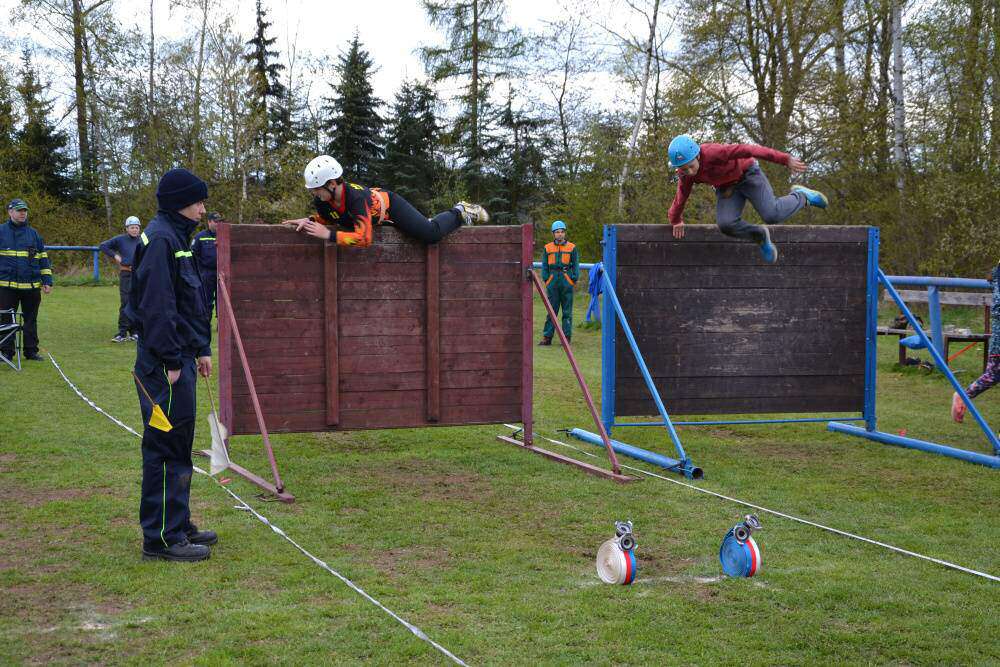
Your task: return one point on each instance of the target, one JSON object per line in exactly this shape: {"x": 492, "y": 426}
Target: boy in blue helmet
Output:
{"x": 733, "y": 171}
{"x": 560, "y": 271}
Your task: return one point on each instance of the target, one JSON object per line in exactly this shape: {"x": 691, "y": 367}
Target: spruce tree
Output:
{"x": 40, "y": 147}
{"x": 7, "y": 125}
{"x": 352, "y": 120}
{"x": 411, "y": 166}
{"x": 479, "y": 50}
{"x": 270, "y": 97}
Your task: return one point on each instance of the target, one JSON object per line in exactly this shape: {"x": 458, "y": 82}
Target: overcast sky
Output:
{"x": 392, "y": 31}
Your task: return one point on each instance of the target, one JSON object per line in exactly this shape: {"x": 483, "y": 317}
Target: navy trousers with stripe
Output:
{"x": 164, "y": 511}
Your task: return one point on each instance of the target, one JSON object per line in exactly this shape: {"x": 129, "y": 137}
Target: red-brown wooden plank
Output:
{"x": 385, "y": 290}
{"x": 433, "y": 333}
{"x": 472, "y": 362}
{"x": 353, "y": 308}
{"x": 400, "y": 345}
{"x": 331, "y": 346}
{"x": 477, "y": 291}
{"x": 527, "y": 349}
{"x": 369, "y": 326}
{"x": 493, "y": 377}
{"x": 226, "y": 370}
{"x": 381, "y": 364}
{"x": 478, "y": 343}
{"x": 464, "y": 273}
{"x": 383, "y": 382}
{"x": 481, "y": 324}
{"x": 408, "y": 272}
{"x": 503, "y": 308}
{"x": 488, "y": 234}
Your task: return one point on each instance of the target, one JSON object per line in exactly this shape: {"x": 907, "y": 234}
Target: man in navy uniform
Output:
{"x": 25, "y": 272}
{"x": 167, "y": 307}
{"x": 203, "y": 247}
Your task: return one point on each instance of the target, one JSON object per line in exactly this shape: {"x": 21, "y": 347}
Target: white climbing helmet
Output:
{"x": 320, "y": 170}
{"x": 132, "y": 220}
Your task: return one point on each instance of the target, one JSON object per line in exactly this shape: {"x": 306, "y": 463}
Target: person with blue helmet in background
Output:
{"x": 167, "y": 307}
{"x": 733, "y": 171}
{"x": 25, "y": 273}
{"x": 205, "y": 255}
{"x": 122, "y": 249}
{"x": 560, "y": 271}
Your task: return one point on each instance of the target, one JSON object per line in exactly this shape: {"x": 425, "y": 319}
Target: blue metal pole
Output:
{"x": 941, "y": 362}
{"x": 610, "y": 295}
{"x": 609, "y": 326}
{"x": 934, "y": 311}
{"x": 871, "y": 330}
{"x": 975, "y": 283}
{"x": 97, "y": 270}
{"x": 734, "y": 422}
{"x": 674, "y": 465}
{"x": 911, "y": 443}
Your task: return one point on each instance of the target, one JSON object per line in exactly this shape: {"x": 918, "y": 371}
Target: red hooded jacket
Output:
{"x": 721, "y": 165}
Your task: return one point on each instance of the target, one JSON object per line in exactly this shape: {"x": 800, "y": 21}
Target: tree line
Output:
{"x": 895, "y": 106}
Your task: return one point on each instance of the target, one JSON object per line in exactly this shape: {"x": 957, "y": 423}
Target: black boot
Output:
{"x": 182, "y": 551}
{"x": 546, "y": 340}
{"x": 206, "y": 537}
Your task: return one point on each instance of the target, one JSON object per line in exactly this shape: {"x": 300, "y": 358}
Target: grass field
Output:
{"x": 488, "y": 549}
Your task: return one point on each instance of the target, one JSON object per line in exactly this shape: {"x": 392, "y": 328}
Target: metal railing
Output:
{"x": 88, "y": 248}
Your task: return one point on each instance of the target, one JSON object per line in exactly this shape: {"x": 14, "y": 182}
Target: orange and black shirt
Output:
{"x": 360, "y": 209}
{"x": 560, "y": 259}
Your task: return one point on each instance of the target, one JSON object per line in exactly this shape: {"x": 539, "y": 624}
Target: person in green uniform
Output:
{"x": 560, "y": 271}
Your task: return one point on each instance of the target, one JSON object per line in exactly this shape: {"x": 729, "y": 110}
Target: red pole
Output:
{"x": 576, "y": 371}
{"x": 253, "y": 391}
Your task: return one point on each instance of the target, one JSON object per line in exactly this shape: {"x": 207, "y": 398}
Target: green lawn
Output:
{"x": 488, "y": 549}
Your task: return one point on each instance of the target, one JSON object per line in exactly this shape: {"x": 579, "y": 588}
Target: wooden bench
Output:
{"x": 983, "y": 299}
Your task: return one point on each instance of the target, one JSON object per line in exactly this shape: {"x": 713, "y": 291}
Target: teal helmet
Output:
{"x": 682, "y": 150}
{"x": 558, "y": 224}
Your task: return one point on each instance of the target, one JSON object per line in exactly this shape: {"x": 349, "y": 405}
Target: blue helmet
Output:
{"x": 682, "y": 150}
{"x": 558, "y": 224}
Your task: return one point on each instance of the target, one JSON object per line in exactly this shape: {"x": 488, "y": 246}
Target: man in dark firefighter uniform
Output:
{"x": 167, "y": 307}
{"x": 25, "y": 272}
{"x": 203, "y": 247}
{"x": 560, "y": 271}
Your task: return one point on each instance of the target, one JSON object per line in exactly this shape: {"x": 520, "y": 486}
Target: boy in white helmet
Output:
{"x": 355, "y": 210}
{"x": 121, "y": 248}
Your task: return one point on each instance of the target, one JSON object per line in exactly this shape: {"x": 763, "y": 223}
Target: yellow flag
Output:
{"x": 159, "y": 420}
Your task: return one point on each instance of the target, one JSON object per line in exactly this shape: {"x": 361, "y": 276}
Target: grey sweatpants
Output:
{"x": 755, "y": 187}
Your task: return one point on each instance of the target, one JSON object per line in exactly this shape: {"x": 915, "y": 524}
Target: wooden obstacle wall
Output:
{"x": 722, "y": 332}
{"x": 399, "y": 334}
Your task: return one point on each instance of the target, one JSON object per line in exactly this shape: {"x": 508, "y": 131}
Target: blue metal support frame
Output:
{"x": 934, "y": 313}
{"x": 733, "y": 422}
{"x": 871, "y": 330}
{"x": 90, "y": 248}
{"x": 609, "y": 329}
{"x": 942, "y": 364}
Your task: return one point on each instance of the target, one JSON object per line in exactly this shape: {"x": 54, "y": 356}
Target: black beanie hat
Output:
{"x": 180, "y": 188}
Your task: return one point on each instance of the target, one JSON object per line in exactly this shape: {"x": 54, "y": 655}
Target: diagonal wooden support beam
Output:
{"x": 586, "y": 467}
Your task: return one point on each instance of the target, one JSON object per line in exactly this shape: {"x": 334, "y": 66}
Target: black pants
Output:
{"x": 209, "y": 283}
{"x": 28, "y": 300}
{"x": 413, "y": 223}
{"x": 124, "y": 285}
{"x": 164, "y": 510}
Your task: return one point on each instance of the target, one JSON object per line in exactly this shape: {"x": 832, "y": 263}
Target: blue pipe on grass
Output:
{"x": 926, "y": 281}
{"x": 684, "y": 467}
{"x": 912, "y": 443}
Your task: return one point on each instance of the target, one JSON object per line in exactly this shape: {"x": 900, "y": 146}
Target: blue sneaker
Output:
{"x": 768, "y": 249}
{"x": 813, "y": 197}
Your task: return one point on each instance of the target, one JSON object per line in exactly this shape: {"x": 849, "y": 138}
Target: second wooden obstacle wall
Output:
{"x": 723, "y": 332}
{"x": 399, "y": 334}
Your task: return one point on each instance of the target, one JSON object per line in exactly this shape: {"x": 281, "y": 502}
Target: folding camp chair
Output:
{"x": 11, "y": 326}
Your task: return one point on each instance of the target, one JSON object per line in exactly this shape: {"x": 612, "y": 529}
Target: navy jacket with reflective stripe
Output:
{"x": 166, "y": 303}
{"x": 203, "y": 247}
{"x": 24, "y": 264}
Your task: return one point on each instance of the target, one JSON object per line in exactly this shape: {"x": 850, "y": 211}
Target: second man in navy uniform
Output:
{"x": 203, "y": 247}
{"x": 167, "y": 306}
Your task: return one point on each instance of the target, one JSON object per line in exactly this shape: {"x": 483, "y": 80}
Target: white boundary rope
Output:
{"x": 244, "y": 506}
{"x": 836, "y": 531}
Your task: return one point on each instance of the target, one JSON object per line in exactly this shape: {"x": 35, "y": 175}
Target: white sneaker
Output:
{"x": 473, "y": 214}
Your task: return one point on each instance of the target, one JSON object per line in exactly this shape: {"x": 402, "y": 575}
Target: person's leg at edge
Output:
{"x": 413, "y": 223}
{"x": 31, "y": 300}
